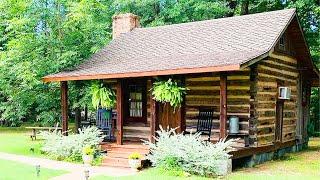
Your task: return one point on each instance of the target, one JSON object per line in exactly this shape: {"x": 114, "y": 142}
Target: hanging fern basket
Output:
{"x": 168, "y": 92}
{"x": 102, "y": 96}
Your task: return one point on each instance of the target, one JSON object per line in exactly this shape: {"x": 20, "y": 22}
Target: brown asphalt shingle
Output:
{"x": 210, "y": 43}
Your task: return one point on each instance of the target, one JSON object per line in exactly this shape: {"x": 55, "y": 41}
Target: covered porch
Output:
{"x": 138, "y": 115}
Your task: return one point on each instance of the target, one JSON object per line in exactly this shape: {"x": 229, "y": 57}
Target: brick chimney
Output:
{"x": 124, "y": 23}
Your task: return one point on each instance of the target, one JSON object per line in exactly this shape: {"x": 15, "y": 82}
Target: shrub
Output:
{"x": 187, "y": 152}
{"x": 70, "y": 147}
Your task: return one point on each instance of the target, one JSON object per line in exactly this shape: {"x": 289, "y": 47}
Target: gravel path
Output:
{"x": 76, "y": 170}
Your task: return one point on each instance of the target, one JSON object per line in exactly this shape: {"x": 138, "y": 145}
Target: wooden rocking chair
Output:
{"x": 104, "y": 122}
{"x": 204, "y": 124}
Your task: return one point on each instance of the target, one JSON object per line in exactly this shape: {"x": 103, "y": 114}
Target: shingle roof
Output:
{"x": 226, "y": 42}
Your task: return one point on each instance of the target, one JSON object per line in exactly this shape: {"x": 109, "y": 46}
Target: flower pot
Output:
{"x": 224, "y": 167}
{"x": 87, "y": 159}
{"x": 135, "y": 163}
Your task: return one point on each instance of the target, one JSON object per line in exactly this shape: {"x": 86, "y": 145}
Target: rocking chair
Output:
{"x": 204, "y": 123}
{"x": 104, "y": 122}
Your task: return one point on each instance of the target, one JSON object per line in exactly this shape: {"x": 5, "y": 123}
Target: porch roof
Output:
{"x": 225, "y": 44}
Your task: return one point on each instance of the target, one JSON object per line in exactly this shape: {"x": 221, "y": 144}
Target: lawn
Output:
{"x": 19, "y": 143}
{"x": 10, "y": 170}
{"x": 305, "y": 164}
{"x": 16, "y": 140}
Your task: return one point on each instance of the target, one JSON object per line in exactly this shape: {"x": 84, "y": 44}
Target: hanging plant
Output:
{"x": 168, "y": 92}
{"x": 102, "y": 96}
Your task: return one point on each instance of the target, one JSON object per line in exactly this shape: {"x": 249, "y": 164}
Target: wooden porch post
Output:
{"x": 120, "y": 111}
{"x": 64, "y": 106}
{"x": 223, "y": 105}
{"x": 154, "y": 115}
{"x": 183, "y": 108}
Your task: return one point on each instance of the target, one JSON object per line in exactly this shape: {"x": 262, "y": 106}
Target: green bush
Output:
{"x": 70, "y": 147}
{"x": 187, "y": 152}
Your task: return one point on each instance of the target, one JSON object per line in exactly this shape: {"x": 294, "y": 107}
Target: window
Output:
{"x": 135, "y": 98}
{"x": 282, "y": 43}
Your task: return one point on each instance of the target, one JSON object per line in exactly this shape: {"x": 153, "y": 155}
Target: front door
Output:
{"x": 136, "y": 101}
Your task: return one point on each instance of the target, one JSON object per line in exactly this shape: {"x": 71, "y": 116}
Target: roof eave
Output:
{"x": 234, "y": 67}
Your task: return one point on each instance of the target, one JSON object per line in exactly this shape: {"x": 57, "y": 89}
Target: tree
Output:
{"x": 40, "y": 37}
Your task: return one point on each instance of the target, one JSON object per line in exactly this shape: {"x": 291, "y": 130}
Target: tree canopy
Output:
{"x": 40, "y": 37}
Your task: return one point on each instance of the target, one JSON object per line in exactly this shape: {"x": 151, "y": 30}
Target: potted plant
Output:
{"x": 135, "y": 161}
{"x": 169, "y": 91}
{"x": 87, "y": 154}
{"x": 102, "y": 96}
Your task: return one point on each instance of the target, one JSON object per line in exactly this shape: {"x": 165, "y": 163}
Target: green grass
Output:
{"x": 16, "y": 140}
{"x": 293, "y": 166}
{"x": 305, "y": 164}
{"x": 149, "y": 174}
{"x": 19, "y": 143}
{"x": 10, "y": 170}
{"x": 300, "y": 165}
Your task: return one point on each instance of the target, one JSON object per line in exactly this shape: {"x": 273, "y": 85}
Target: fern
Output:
{"x": 168, "y": 92}
{"x": 102, "y": 96}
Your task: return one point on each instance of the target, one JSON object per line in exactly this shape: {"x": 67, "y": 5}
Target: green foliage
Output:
{"x": 40, "y": 37}
{"x": 168, "y": 92}
{"x": 97, "y": 159}
{"x": 71, "y": 147}
{"x": 314, "y": 123}
{"x": 171, "y": 167}
{"x": 187, "y": 152}
{"x": 161, "y": 12}
{"x": 102, "y": 96}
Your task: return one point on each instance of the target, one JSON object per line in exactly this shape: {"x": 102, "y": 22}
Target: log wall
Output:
{"x": 267, "y": 76}
{"x": 204, "y": 91}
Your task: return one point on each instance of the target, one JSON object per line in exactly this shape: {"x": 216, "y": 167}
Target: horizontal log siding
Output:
{"x": 268, "y": 72}
{"x": 204, "y": 91}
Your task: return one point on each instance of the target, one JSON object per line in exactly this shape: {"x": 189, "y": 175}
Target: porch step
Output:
{"x": 136, "y": 145}
{"x": 115, "y": 162}
{"x": 117, "y": 155}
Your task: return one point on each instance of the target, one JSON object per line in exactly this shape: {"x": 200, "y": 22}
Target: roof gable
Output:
{"x": 204, "y": 46}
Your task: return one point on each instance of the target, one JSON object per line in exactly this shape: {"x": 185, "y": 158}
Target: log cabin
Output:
{"x": 236, "y": 66}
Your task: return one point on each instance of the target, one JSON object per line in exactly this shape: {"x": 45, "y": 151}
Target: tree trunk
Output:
{"x": 244, "y": 7}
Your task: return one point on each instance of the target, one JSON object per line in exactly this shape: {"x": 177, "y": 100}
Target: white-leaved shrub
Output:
{"x": 190, "y": 153}
{"x": 70, "y": 147}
